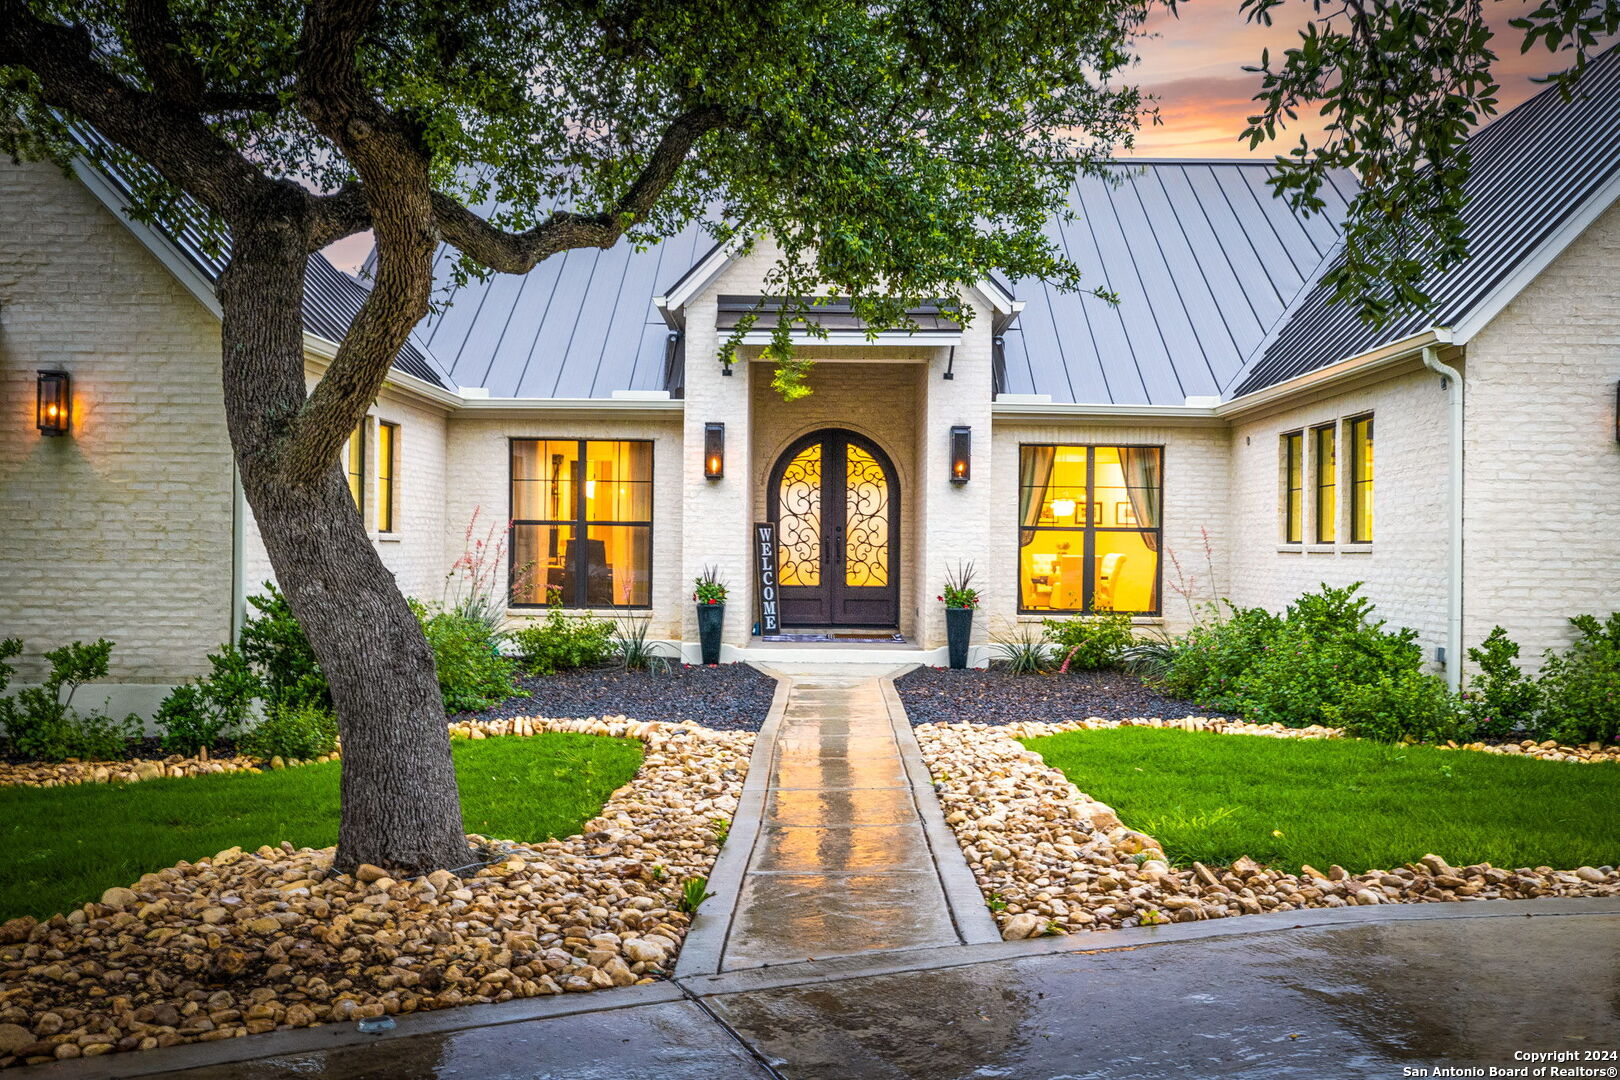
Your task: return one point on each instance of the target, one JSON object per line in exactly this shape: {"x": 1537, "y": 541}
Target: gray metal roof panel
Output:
{"x": 331, "y": 297}
{"x": 1534, "y": 168}
{"x": 1203, "y": 262}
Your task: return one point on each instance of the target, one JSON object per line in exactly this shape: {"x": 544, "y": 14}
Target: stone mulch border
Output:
{"x": 249, "y": 942}
{"x": 1052, "y": 860}
{"x": 73, "y": 773}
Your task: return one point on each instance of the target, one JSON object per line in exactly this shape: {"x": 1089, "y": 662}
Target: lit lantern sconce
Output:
{"x": 961, "y": 454}
{"x": 714, "y": 451}
{"x": 51, "y": 403}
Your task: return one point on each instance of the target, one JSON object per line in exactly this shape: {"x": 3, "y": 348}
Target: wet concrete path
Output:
{"x": 1357, "y": 993}
{"x": 841, "y": 863}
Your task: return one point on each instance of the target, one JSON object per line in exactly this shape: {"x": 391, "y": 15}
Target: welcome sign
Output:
{"x": 770, "y": 621}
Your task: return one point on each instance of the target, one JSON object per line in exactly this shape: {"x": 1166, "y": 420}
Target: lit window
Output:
{"x": 1327, "y": 472}
{"x": 581, "y": 523}
{"x": 387, "y": 456}
{"x": 1361, "y": 480}
{"x": 354, "y": 456}
{"x": 1293, "y": 453}
{"x": 1089, "y": 528}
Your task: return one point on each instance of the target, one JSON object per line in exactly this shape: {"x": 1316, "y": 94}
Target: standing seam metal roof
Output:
{"x": 1534, "y": 167}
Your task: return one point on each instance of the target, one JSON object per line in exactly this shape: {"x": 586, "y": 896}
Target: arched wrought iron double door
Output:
{"x": 835, "y": 501}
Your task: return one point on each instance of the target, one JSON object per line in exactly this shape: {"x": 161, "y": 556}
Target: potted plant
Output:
{"x": 960, "y": 598}
{"x": 709, "y": 592}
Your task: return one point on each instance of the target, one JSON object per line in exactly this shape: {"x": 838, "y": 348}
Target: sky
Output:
{"x": 1193, "y": 64}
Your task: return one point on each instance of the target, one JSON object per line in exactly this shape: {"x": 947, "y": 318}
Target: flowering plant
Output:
{"x": 709, "y": 589}
{"x": 959, "y": 591}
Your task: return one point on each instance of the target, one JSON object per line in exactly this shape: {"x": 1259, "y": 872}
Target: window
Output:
{"x": 1089, "y": 528}
{"x": 1293, "y": 508}
{"x": 354, "y": 457}
{"x": 387, "y": 454}
{"x": 1326, "y": 441}
{"x": 581, "y": 523}
{"x": 1361, "y": 479}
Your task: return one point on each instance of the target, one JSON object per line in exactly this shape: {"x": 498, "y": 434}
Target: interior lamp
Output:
{"x": 51, "y": 403}
{"x": 1062, "y": 507}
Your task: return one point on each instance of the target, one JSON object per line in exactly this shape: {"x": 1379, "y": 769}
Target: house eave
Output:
{"x": 571, "y": 408}
{"x": 1375, "y": 361}
{"x": 1023, "y": 412}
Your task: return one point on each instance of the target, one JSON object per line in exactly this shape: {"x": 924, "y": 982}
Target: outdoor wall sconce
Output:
{"x": 714, "y": 451}
{"x": 961, "y": 454}
{"x": 51, "y": 403}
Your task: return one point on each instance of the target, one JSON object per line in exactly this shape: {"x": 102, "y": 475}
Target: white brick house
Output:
{"x": 1222, "y": 431}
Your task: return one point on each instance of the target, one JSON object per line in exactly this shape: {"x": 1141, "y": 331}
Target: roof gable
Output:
{"x": 1541, "y": 172}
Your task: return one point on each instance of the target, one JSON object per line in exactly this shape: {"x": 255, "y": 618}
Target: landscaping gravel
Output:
{"x": 731, "y": 697}
{"x": 989, "y": 696}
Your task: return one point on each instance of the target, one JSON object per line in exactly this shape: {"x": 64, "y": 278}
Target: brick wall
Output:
{"x": 123, "y": 528}
{"x": 1542, "y": 501}
{"x": 1404, "y": 568}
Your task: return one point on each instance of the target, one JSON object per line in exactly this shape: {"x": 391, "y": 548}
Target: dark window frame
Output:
{"x": 1293, "y": 451}
{"x": 391, "y": 481}
{"x": 1361, "y": 487}
{"x": 1089, "y": 531}
{"x": 579, "y": 524}
{"x": 1326, "y": 531}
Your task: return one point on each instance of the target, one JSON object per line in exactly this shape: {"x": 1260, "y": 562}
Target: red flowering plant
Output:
{"x": 471, "y": 587}
{"x": 709, "y": 589}
{"x": 959, "y": 591}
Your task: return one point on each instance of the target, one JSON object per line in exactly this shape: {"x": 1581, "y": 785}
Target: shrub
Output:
{"x": 638, "y": 652}
{"x": 41, "y": 722}
{"x": 1290, "y": 669}
{"x": 562, "y": 643}
{"x": 1501, "y": 698}
{"x": 472, "y": 672}
{"x": 1089, "y": 642}
{"x": 195, "y": 716}
{"x": 1580, "y": 687}
{"x": 1024, "y": 652}
{"x": 299, "y": 731}
{"x": 274, "y": 646}
{"x": 1410, "y": 705}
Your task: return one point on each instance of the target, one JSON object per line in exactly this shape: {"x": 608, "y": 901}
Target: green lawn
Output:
{"x": 1362, "y": 805}
{"x": 63, "y": 846}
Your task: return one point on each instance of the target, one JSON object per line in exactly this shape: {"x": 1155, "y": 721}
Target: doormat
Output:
{"x": 850, "y": 637}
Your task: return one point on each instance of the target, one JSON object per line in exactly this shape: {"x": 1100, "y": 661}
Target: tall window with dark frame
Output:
{"x": 1293, "y": 500}
{"x": 387, "y": 461}
{"x": 1089, "y": 528}
{"x": 1361, "y": 479}
{"x": 581, "y": 523}
{"x": 354, "y": 463}
{"x": 1326, "y": 453}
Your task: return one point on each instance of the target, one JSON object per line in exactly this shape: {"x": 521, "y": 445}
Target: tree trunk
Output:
{"x": 401, "y": 808}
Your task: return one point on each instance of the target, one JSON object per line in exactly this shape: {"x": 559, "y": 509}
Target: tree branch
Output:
{"x": 172, "y": 139}
{"x": 175, "y": 77}
{"x": 517, "y": 253}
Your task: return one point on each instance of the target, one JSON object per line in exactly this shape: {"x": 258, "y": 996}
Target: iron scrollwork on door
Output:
{"x": 798, "y": 526}
{"x": 866, "y": 519}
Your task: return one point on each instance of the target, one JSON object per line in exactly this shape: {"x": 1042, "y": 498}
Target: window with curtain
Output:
{"x": 1089, "y": 528}
{"x": 354, "y": 459}
{"x": 1325, "y": 451}
{"x": 1293, "y": 492}
{"x": 581, "y": 523}
{"x": 387, "y": 462}
{"x": 1361, "y": 479}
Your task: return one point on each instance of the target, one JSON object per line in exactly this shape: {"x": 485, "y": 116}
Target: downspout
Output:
{"x": 238, "y": 549}
{"x": 1452, "y": 381}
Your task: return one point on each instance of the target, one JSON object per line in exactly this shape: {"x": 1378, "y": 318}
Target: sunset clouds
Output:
{"x": 1194, "y": 66}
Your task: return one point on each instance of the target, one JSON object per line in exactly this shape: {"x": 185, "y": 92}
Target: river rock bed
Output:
{"x": 248, "y": 942}
{"x": 1052, "y": 860}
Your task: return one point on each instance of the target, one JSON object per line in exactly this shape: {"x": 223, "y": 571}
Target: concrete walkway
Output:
{"x": 842, "y": 861}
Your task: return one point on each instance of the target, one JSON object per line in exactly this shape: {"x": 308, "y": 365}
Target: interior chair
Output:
{"x": 1113, "y": 564}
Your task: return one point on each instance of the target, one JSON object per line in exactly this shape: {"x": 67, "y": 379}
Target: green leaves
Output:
{"x": 1400, "y": 87}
